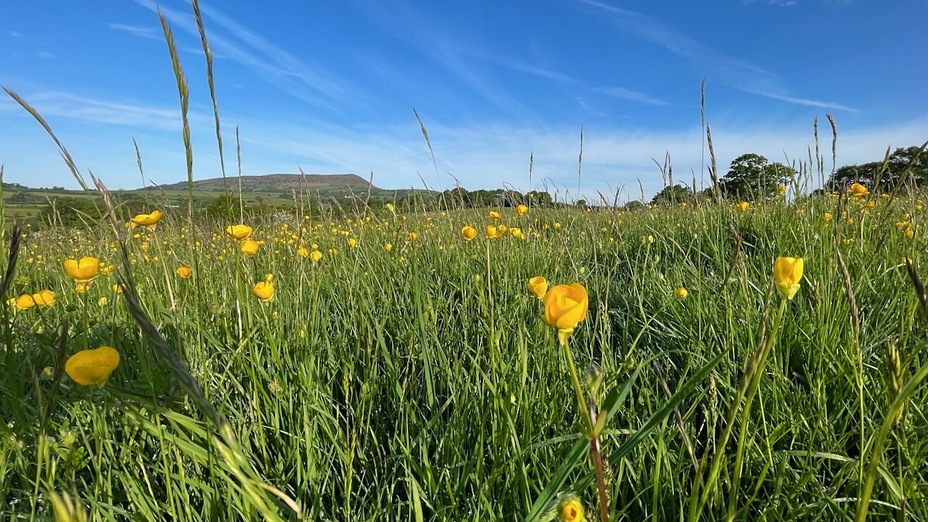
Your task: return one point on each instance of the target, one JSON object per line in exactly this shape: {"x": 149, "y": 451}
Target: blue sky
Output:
{"x": 330, "y": 87}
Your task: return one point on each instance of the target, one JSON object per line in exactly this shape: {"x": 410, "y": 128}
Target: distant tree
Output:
{"x": 226, "y": 206}
{"x": 672, "y": 194}
{"x": 71, "y": 212}
{"x": 898, "y": 166}
{"x": 632, "y": 206}
{"x": 458, "y": 197}
{"x": 511, "y": 198}
{"x": 752, "y": 176}
{"x": 538, "y": 198}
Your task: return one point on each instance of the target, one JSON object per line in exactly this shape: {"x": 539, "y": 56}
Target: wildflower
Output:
{"x": 469, "y": 233}
{"x": 149, "y": 221}
{"x": 92, "y": 367}
{"x": 23, "y": 302}
{"x": 492, "y": 232}
{"x": 565, "y": 308}
{"x": 681, "y": 293}
{"x": 389, "y": 206}
{"x": 249, "y": 247}
{"x": 264, "y": 290}
{"x": 239, "y": 232}
{"x": 571, "y": 510}
{"x": 828, "y": 216}
{"x": 315, "y": 256}
{"x": 649, "y": 240}
{"x": 82, "y": 271}
{"x": 184, "y": 272}
{"x": 781, "y": 190}
{"x": 412, "y": 236}
{"x": 538, "y": 286}
{"x": 787, "y": 272}
{"x": 743, "y": 206}
{"x": 858, "y": 190}
{"x": 521, "y": 210}
{"x": 44, "y": 298}
{"x": 388, "y": 247}
{"x": 302, "y": 252}
{"x": 352, "y": 243}
{"x": 494, "y": 215}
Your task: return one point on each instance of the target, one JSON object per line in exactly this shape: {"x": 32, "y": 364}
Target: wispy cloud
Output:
{"x": 45, "y": 55}
{"x": 150, "y": 32}
{"x": 308, "y": 82}
{"x": 14, "y": 34}
{"x": 778, "y": 3}
{"x": 628, "y": 94}
{"x": 718, "y": 66}
{"x": 806, "y": 102}
{"x": 67, "y": 105}
{"x": 533, "y": 70}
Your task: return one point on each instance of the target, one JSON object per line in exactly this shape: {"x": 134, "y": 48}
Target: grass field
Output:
{"x": 418, "y": 380}
{"x": 398, "y": 364}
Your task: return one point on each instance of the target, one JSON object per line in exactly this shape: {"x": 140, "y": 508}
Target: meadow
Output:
{"x": 706, "y": 359}
{"x": 402, "y": 369}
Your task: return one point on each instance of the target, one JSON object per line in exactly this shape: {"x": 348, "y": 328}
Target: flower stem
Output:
{"x": 588, "y": 423}
{"x": 598, "y": 463}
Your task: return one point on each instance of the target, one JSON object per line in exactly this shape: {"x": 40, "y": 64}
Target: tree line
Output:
{"x": 752, "y": 177}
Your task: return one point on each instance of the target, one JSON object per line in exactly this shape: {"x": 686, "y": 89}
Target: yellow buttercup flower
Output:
{"x": 492, "y": 232}
{"x": 468, "y": 232}
{"x": 149, "y": 221}
{"x": 521, "y": 210}
{"x": 44, "y": 297}
{"x": 239, "y": 232}
{"x": 571, "y": 510}
{"x": 495, "y": 215}
{"x": 264, "y": 290}
{"x": 302, "y": 252}
{"x": 184, "y": 272}
{"x": 565, "y": 308}
{"x": 315, "y": 256}
{"x": 92, "y": 367}
{"x": 744, "y": 206}
{"x": 23, "y": 302}
{"x": 412, "y": 236}
{"x": 538, "y": 286}
{"x": 82, "y": 271}
{"x": 249, "y": 247}
{"x": 681, "y": 292}
{"x": 857, "y": 189}
{"x": 787, "y": 272}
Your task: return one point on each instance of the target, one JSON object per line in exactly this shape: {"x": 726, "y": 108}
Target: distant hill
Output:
{"x": 279, "y": 183}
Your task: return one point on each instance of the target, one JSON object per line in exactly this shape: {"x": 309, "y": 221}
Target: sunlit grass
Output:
{"x": 393, "y": 364}
{"x": 384, "y": 383}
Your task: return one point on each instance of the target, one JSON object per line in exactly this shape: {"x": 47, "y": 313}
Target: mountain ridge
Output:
{"x": 275, "y": 183}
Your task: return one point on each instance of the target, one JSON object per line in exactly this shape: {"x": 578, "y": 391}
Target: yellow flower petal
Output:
{"x": 92, "y": 367}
